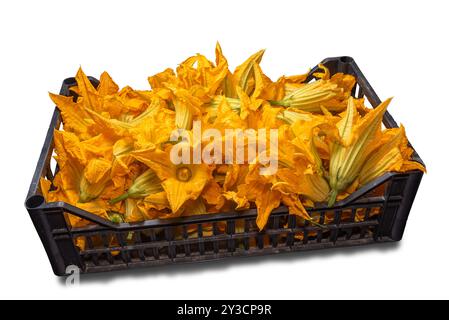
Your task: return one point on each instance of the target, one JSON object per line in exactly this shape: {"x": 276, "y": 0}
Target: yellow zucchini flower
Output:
{"x": 244, "y": 75}
{"x": 181, "y": 182}
{"x": 356, "y": 136}
{"x": 145, "y": 184}
{"x": 329, "y": 93}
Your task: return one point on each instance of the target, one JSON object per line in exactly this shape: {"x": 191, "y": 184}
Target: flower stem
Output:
{"x": 119, "y": 198}
{"x": 279, "y": 103}
{"x": 332, "y": 198}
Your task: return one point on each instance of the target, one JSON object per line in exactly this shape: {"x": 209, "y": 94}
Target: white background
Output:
{"x": 401, "y": 46}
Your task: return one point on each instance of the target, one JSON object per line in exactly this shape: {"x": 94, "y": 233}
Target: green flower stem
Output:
{"x": 119, "y": 198}
{"x": 281, "y": 103}
{"x": 332, "y": 197}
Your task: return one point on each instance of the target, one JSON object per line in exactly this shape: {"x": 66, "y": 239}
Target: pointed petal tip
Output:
{"x": 258, "y": 55}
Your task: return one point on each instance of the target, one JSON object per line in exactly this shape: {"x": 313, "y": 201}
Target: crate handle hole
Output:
{"x": 346, "y": 59}
{"x": 34, "y": 201}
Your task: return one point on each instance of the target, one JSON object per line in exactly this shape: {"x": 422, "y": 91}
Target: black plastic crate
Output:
{"x": 375, "y": 213}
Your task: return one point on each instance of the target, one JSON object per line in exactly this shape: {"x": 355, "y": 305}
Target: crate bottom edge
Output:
{"x": 236, "y": 254}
